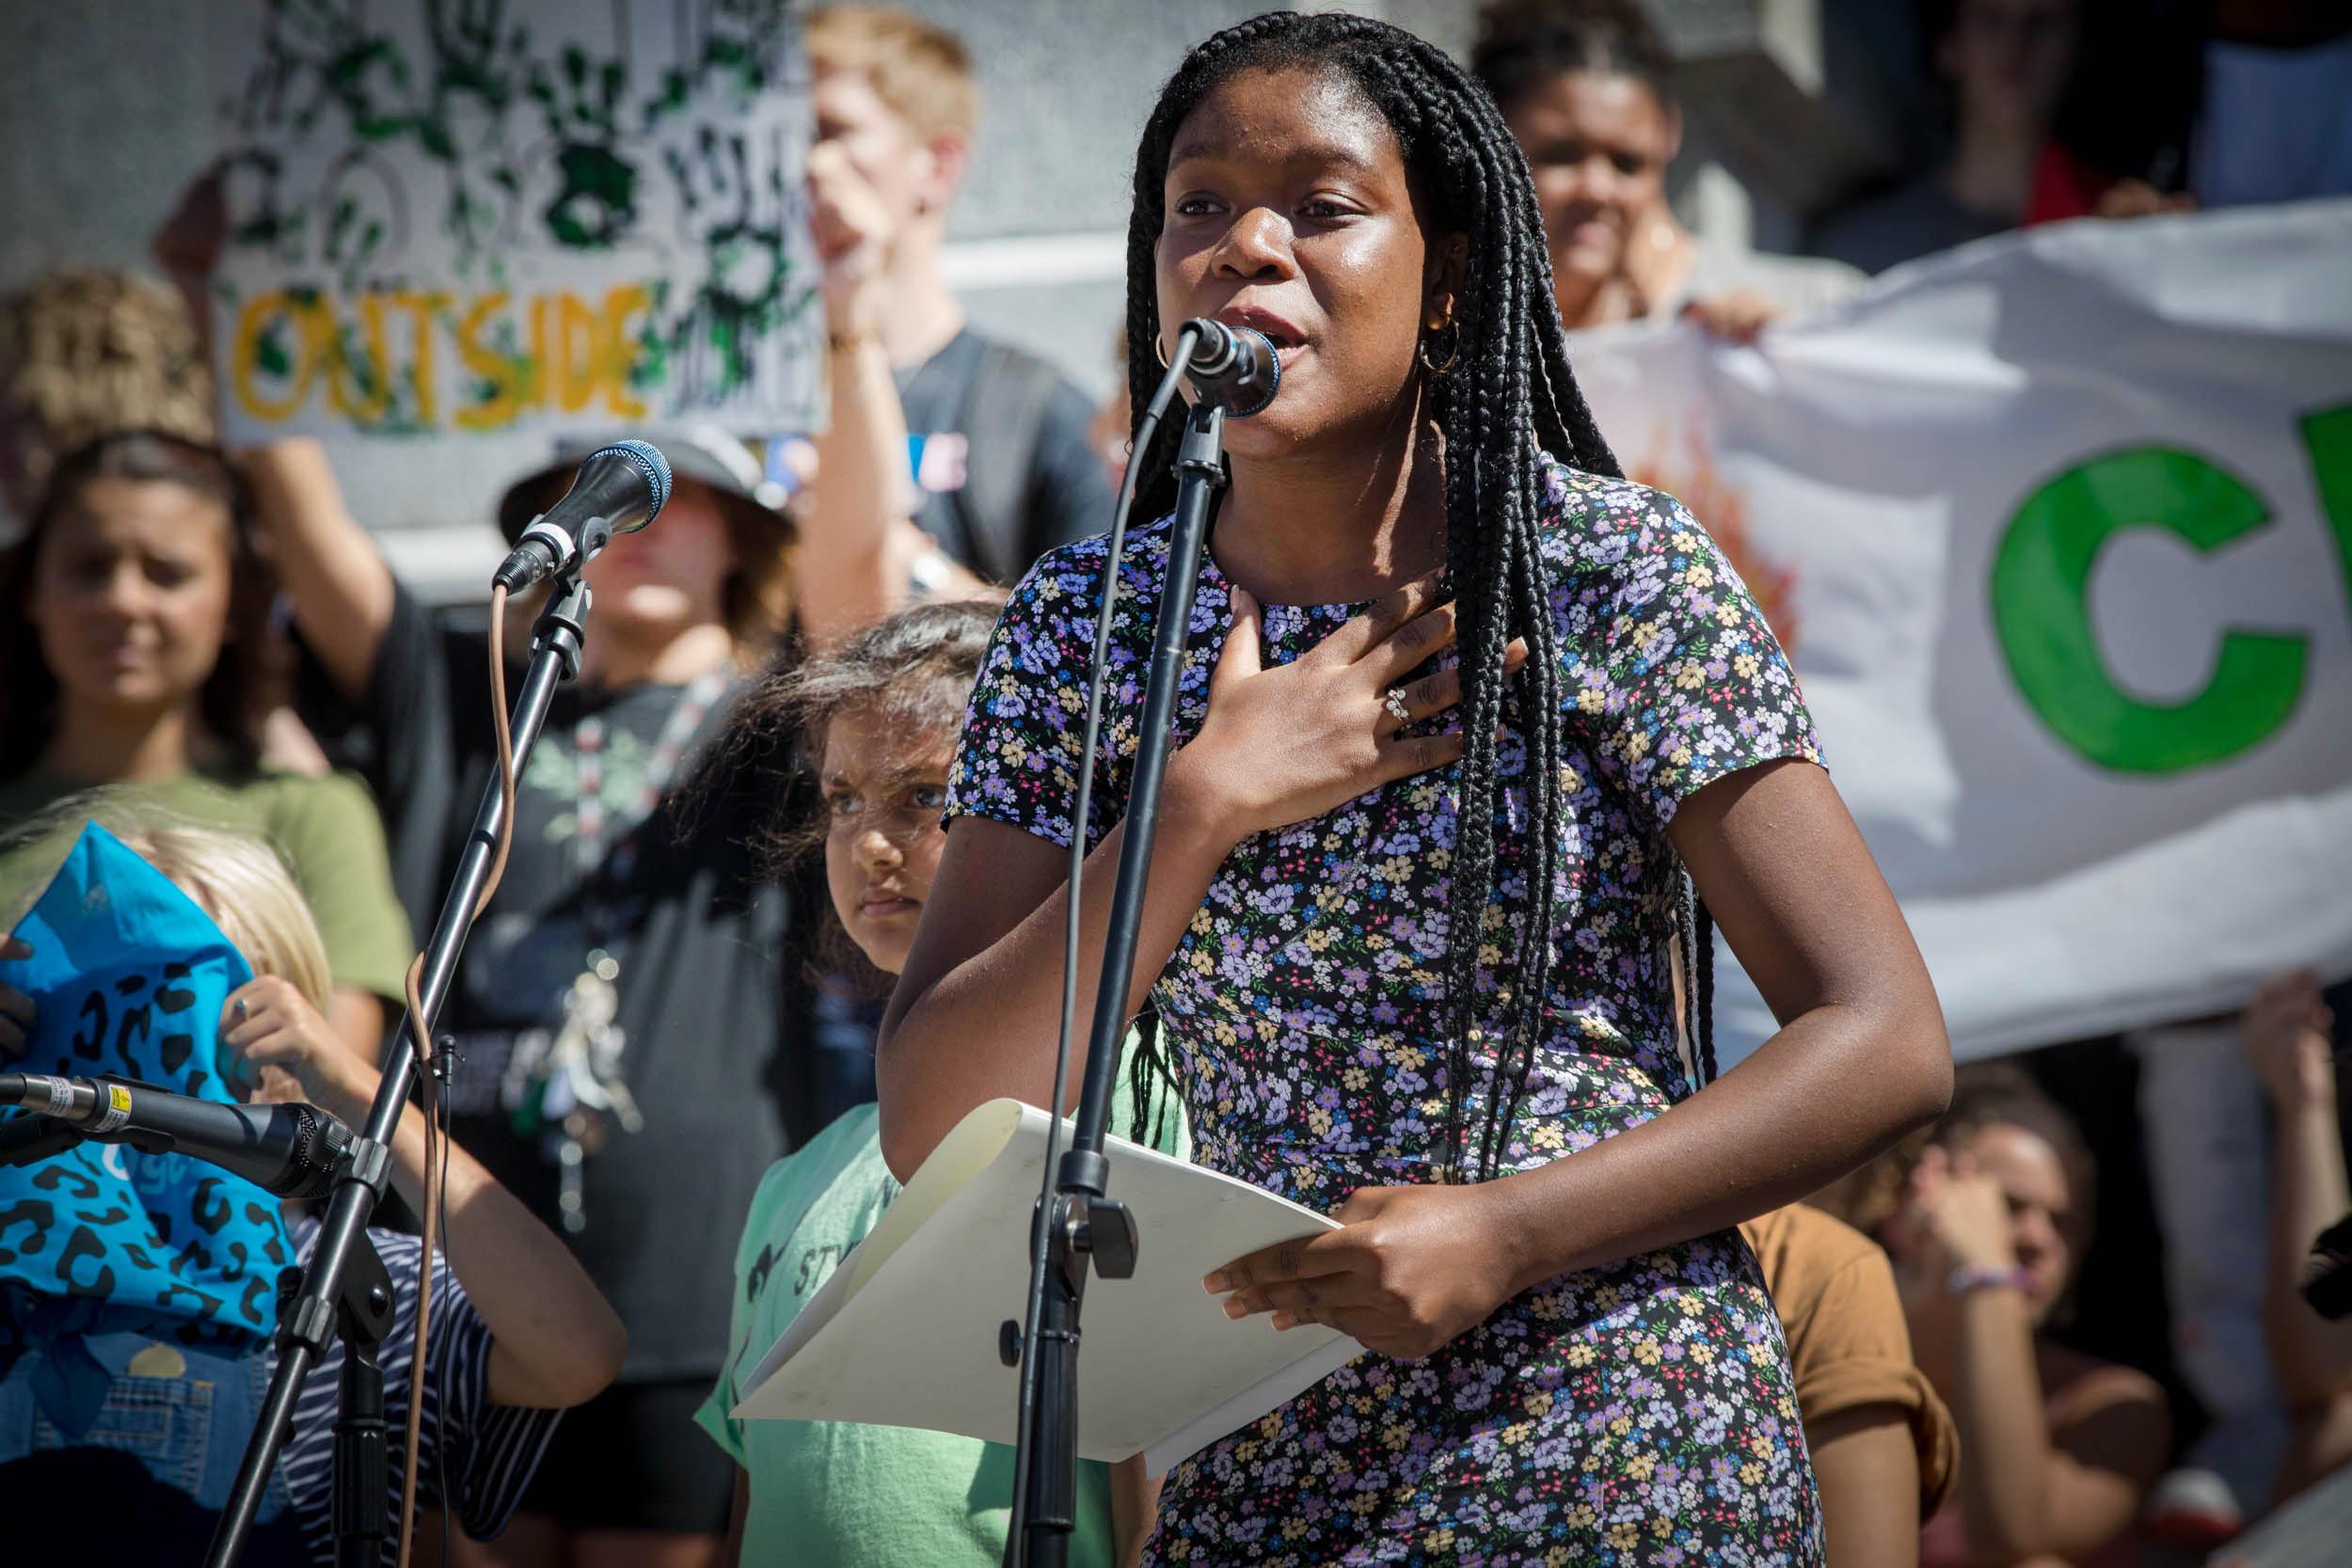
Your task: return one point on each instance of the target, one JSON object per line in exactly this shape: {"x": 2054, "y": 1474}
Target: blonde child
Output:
{"x": 518, "y": 1331}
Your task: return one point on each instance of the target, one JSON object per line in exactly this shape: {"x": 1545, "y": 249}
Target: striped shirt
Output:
{"x": 487, "y": 1451}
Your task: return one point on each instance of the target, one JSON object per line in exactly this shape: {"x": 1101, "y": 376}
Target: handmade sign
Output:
{"x": 515, "y": 217}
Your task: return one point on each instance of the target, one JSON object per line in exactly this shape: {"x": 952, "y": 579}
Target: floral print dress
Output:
{"x": 1637, "y": 1414}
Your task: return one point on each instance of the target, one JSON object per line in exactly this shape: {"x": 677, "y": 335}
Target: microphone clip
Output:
{"x": 547, "y": 548}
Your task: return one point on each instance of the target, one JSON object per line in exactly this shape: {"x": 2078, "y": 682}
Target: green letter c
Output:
{"x": 2041, "y": 612}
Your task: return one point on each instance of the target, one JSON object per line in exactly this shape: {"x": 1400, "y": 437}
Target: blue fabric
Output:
{"x": 129, "y": 978}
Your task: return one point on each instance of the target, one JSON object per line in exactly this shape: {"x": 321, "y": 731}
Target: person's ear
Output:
{"x": 1449, "y": 266}
{"x": 947, "y": 158}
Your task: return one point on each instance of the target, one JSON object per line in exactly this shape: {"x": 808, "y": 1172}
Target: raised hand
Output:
{"x": 2285, "y": 1032}
{"x": 1284, "y": 744}
{"x": 1955, "y": 1218}
{"x": 1735, "y": 316}
{"x": 851, "y": 226}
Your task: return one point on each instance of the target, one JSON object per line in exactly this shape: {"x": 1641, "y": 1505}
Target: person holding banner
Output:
{"x": 1586, "y": 86}
{"x": 2286, "y": 1036}
{"x": 140, "y": 657}
{"x": 1461, "y": 706}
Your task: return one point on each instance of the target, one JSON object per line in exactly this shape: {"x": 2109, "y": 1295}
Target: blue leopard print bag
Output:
{"x": 128, "y": 976}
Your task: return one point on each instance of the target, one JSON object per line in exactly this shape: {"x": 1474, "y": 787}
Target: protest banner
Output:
{"x": 527, "y": 217}
{"x": 2058, "y": 531}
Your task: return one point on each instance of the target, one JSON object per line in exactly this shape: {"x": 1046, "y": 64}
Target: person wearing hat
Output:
{"x": 636, "y": 1038}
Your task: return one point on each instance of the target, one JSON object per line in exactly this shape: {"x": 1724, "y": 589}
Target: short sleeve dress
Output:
{"x": 1639, "y": 1413}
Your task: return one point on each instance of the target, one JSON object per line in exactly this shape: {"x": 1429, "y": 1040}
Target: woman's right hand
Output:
{"x": 16, "y": 1009}
{"x": 1284, "y": 744}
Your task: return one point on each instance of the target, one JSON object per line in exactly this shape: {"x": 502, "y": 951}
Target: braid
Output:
{"x": 1507, "y": 400}
{"x": 1149, "y": 1080}
{"x": 1703, "y": 986}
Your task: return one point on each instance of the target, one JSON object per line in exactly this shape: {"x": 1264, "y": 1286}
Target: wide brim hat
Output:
{"x": 702, "y": 454}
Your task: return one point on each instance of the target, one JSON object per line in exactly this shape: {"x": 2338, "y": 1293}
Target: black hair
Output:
{"x": 914, "y": 669}
{"x": 1505, "y": 400}
{"x": 1524, "y": 42}
{"x": 248, "y": 679}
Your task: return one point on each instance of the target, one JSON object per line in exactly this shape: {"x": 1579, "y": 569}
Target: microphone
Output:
{"x": 292, "y": 1150}
{"x": 1232, "y": 368}
{"x": 619, "y": 490}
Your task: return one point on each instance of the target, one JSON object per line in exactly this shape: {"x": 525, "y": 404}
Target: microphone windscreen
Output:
{"x": 648, "y": 460}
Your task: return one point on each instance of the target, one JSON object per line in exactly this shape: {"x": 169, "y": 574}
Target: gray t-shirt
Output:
{"x": 997, "y": 510}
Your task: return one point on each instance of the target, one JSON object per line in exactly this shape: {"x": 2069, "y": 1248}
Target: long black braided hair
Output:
{"x": 1506, "y": 398}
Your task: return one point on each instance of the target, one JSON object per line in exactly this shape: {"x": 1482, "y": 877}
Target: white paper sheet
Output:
{"x": 904, "y": 1333}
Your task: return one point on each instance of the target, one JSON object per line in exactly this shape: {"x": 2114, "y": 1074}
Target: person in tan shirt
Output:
{"x": 1884, "y": 1449}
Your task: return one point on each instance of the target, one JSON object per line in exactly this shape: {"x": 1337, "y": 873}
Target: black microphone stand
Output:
{"x": 344, "y": 1286}
{"x": 1081, "y": 1223}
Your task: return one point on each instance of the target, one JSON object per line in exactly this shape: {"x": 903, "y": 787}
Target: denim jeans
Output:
{"x": 116, "y": 1446}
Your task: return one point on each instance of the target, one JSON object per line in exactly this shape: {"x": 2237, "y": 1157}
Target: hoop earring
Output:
{"x": 1159, "y": 350}
{"x": 1452, "y": 348}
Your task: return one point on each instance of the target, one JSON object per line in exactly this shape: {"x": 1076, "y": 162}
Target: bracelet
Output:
{"x": 1970, "y": 1276}
{"x": 848, "y": 342}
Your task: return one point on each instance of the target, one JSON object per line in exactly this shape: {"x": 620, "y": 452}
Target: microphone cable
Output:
{"x": 435, "y": 1183}
{"x": 1097, "y": 678}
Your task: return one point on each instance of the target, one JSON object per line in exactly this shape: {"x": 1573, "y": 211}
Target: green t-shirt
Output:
{"x": 325, "y": 828}
{"x": 832, "y": 1495}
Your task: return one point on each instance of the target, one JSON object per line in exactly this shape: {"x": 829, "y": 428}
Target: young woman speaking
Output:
{"x": 1462, "y": 706}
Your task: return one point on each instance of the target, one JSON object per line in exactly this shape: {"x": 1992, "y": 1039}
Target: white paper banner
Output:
{"x": 2058, "y": 528}
{"x": 522, "y": 217}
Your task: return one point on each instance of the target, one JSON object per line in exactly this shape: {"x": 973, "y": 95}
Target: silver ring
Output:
{"x": 1393, "y": 700}
{"x": 239, "y": 1009}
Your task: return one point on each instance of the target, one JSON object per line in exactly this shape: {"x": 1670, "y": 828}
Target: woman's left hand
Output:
{"x": 1408, "y": 1270}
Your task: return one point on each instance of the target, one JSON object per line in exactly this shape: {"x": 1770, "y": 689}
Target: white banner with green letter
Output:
{"x": 2059, "y": 528}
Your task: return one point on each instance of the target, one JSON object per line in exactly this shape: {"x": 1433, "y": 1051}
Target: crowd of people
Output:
{"x": 785, "y": 891}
